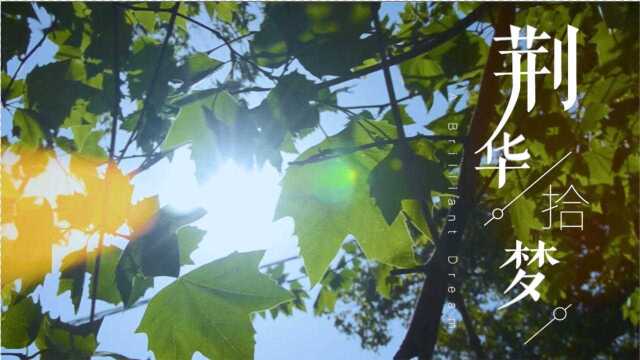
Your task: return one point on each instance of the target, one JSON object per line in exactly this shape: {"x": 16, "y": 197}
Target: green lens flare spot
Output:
{"x": 335, "y": 182}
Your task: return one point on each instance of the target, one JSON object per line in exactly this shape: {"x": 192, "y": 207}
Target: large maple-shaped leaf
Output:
{"x": 207, "y": 310}
{"x": 330, "y": 200}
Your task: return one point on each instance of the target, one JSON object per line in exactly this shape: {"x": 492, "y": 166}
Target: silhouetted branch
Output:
{"x": 329, "y": 154}
{"x": 474, "y": 340}
{"x": 422, "y": 335}
{"x": 7, "y": 90}
{"x": 154, "y": 79}
{"x": 420, "y": 48}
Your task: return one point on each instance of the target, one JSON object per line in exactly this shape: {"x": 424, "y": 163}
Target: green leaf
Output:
{"x": 223, "y": 10}
{"x": 330, "y": 200}
{"x": 288, "y": 105}
{"x": 325, "y": 302}
{"x": 190, "y": 127}
{"x": 20, "y": 323}
{"x": 226, "y": 108}
{"x": 326, "y": 39}
{"x": 15, "y": 30}
{"x": 88, "y": 141}
{"x": 631, "y": 308}
{"x": 66, "y": 144}
{"x": 405, "y": 118}
{"x": 523, "y": 217}
{"x": 195, "y": 68}
{"x": 403, "y": 175}
{"x": 599, "y": 161}
{"x": 52, "y": 107}
{"x": 103, "y": 21}
{"x": 73, "y": 268}
{"x": 156, "y": 252}
{"x": 107, "y": 285}
{"x": 188, "y": 239}
{"x": 17, "y": 88}
{"x": 209, "y": 310}
{"x": 57, "y": 340}
{"x": 383, "y": 286}
{"x": 30, "y": 132}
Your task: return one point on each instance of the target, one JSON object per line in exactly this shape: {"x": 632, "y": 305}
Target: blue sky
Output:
{"x": 240, "y": 205}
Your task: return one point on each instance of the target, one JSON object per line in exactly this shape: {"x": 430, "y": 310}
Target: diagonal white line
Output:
{"x": 537, "y": 180}
{"x": 529, "y": 187}
{"x": 539, "y": 331}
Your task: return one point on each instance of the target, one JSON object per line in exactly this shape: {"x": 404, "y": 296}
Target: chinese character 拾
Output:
{"x": 568, "y": 218}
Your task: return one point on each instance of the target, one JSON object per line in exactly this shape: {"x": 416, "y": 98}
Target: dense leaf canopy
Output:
{"x": 128, "y": 84}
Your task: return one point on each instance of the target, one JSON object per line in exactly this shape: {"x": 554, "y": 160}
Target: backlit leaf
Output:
{"x": 330, "y": 200}
{"x": 210, "y": 309}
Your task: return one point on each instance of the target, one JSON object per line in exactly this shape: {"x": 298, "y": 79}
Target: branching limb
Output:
{"x": 154, "y": 80}
{"x": 380, "y": 107}
{"x": 420, "y": 48}
{"x": 115, "y": 112}
{"x": 23, "y": 60}
{"x": 474, "y": 340}
{"x": 422, "y": 335}
{"x": 329, "y": 154}
{"x": 22, "y": 356}
{"x": 216, "y": 33}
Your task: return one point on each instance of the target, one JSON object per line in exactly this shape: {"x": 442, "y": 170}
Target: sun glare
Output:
{"x": 240, "y": 204}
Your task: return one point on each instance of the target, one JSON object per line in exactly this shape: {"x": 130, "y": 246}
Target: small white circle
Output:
{"x": 497, "y": 213}
{"x": 562, "y": 310}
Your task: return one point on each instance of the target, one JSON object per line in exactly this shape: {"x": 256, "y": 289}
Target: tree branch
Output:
{"x": 474, "y": 340}
{"x": 7, "y": 90}
{"x": 216, "y": 33}
{"x": 329, "y": 154}
{"x": 420, "y": 48}
{"x": 115, "y": 111}
{"x": 154, "y": 79}
{"x": 422, "y": 335}
{"x": 380, "y": 107}
{"x": 250, "y": 33}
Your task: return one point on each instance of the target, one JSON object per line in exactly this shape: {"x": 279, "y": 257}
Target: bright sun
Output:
{"x": 240, "y": 204}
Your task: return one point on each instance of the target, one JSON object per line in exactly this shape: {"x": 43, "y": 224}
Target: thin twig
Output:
{"x": 7, "y": 90}
{"x": 218, "y": 34}
{"x": 329, "y": 154}
{"x": 250, "y": 33}
{"x": 154, "y": 80}
{"x": 420, "y": 48}
{"x": 414, "y": 270}
{"x": 379, "y": 106}
{"x": 474, "y": 340}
